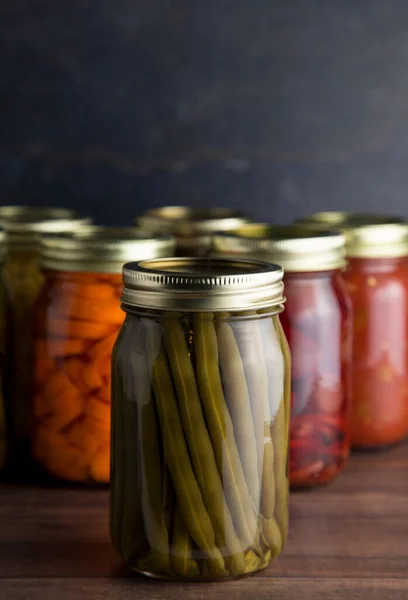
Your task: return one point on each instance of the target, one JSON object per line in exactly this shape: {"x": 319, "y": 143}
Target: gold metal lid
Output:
{"x": 367, "y": 235}
{"x": 203, "y": 284}
{"x": 187, "y": 223}
{"x": 295, "y": 248}
{"x": 101, "y": 249}
{"x": 23, "y": 224}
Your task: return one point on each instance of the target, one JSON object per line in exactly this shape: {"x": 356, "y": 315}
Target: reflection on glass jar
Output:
{"x": 317, "y": 323}
{"x": 78, "y": 320}
{"x": 23, "y": 226}
{"x": 377, "y": 282}
{"x": 200, "y": 410}
{"x": 191, "y": 227}
{"x": 4, "y": 365}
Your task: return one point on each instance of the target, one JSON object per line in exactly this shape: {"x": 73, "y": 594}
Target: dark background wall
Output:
{"x": 280, "y": 107}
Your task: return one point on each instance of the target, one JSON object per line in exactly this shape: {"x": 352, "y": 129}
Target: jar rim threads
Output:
{"x": 202, "y": 284}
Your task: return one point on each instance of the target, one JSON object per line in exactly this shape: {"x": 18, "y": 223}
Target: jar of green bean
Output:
{"x": 200, "y": 414}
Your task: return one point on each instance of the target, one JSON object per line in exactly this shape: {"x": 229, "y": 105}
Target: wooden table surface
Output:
{"x": 349, "y": 540}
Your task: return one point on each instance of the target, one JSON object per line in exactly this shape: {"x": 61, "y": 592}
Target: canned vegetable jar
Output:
{"x": 377, "y": 281}
{"x": 191, "y": 227}
{"x": 23, "y": 226}
{"x": 200, "y": 412}
{"x": 78, "y": 319}
{"x": 4, "y": 364}
{"x": 317, "y": 323}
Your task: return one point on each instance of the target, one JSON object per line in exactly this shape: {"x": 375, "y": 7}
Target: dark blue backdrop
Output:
{"x": 279, "y": 107}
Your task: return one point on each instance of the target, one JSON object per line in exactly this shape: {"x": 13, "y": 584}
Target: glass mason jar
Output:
{"x": 377, "y": 281}
{"x": 78, "y": 319}
{"x": 23, "y": 225}
{"x": 200, "y": 412}
{"x": 4, "y": 364}
{"x": 317, "y": 323}
{"x": 191, "y": 227}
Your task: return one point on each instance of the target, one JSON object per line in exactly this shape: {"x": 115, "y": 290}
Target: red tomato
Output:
{"x": 379, "y": 411}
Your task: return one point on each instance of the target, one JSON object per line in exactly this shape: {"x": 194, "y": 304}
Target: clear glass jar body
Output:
{"x": 317, "y": 324}
{"x": 78, "y": 320}
{"x": 5, "y": 432}
{"x": 23, "y": 280}
{"x": 379, "y": 382}
{"x": 200, "y": 413}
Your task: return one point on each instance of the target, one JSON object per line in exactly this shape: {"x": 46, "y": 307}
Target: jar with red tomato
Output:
{"x": 377, "y": 282}
{"x": 317, "y": 325}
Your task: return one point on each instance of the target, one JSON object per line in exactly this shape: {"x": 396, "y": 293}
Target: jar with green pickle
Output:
{"x": 191, "y": 227}
{"x": 200, "y": 419}
{"x": 23, "y": 226}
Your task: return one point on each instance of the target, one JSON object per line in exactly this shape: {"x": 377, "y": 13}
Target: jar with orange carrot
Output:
{"x": 377, "y": 281}
{"x": 77, "y": 322}
{"x": 23, "y": 226}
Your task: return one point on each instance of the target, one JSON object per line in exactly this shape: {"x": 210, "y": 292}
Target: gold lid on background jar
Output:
{"x": 24, "y": 224}
{"x": 101, "y": 249}
{"x": 192, "y": 227}
{"x": 296, "y": 248}
{"x": 367, "y": 235}
{"x": 203, "y": 284}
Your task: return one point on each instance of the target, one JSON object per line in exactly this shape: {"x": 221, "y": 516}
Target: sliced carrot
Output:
{"x": 104, "y": 393}
{"x": 56, "y": 348}
{"x": 91, "y": 376}
{"x": 74, "y": 367}
{"x": 99, "y": 467}
{"x": 87, "y": 330}
{"x": 97, "y": 429}
{"x": 103, "y": 348}
{"x": 56, "y": 385}
{"x": 83, "y": 437}
{"x": 104, "y": 365}
{"x": 44, "y": 369}
{"x": 40, "y": 407}
{"x": 107, "y": 311}
{"x": 64, "y": 400}
{"x": 44, "y": 441}
{"x": 99, "y": 411}
{"x": 95, "y": 291}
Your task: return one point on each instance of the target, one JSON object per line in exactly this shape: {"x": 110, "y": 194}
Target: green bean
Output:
{"x": 253, "y": 562}
{"x": 183, "y": 564}
{"x": 176, "y": 453}
{"x": 280, "y": 435}
{"x": 221, "y": 429}
{"x": 167, "y": 496}
{"x": 149, "y": 454}
{"x": 199, "y": 444}
{"x": 237, "y": 396}
{"x": 250, "y": 344}
{"x": 272, "y": 535}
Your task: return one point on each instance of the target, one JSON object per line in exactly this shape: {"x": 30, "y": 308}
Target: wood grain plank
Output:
{"x": 279, "y": 588}
{"x": 348, "y": 540}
